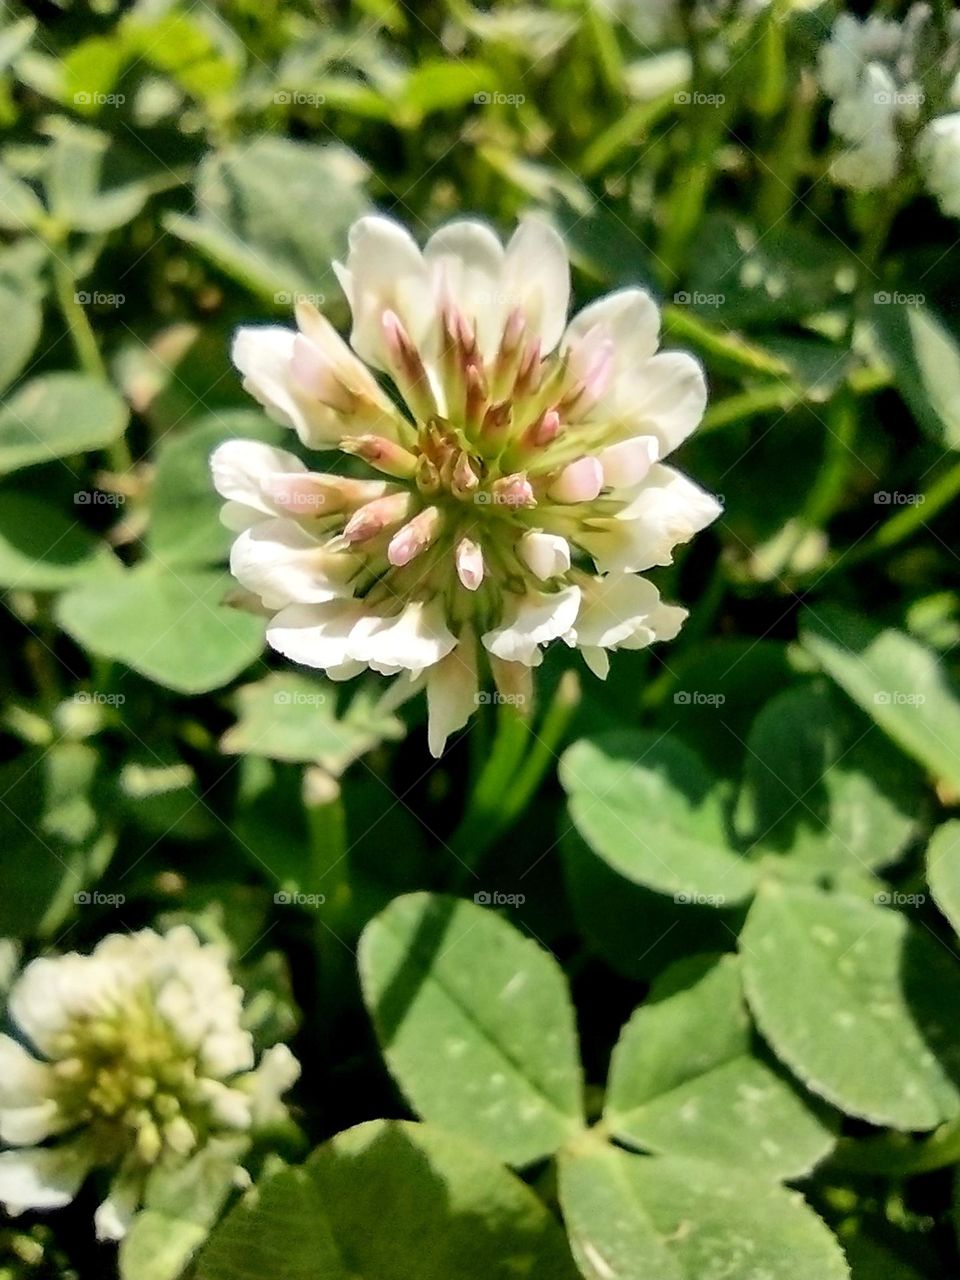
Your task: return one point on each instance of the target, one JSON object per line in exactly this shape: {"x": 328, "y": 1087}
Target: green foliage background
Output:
{"x": 679, "y": 939}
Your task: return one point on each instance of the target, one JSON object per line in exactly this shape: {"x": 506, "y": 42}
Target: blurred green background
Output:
{"x": 169, "y": 171}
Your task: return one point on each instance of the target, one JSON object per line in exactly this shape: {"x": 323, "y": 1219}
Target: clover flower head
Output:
{"x": 938, "y": 151}
{"x": 514, "y": 494}
{"x": 873, "y": 68}
{"x": 136, "y": 1057}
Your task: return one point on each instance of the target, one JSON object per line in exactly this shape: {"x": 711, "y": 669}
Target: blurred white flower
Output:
{"x": 938, "y": 152}
{"x": 135, "y": 1056}
{"x": 526, "y": 461}
{"x": 870, "y": 68}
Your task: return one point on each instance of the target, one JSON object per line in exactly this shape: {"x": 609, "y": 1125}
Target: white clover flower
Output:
{"x": 870, "y": 68}
{"x": 938, "y": 152}
{"x": 521, "y": 486}
{"x": 136, "y": 1057}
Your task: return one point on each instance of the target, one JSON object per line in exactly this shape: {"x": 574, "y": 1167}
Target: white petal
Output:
{"x": 535, "y": 619}
{"x": 23, "y": 1080}
{"x": 629, "y": 317}
{"x": 514, "y": 681}
{"x": 264, "y": 355}
{"x": 467, "y": 260}
{"x": 622, "y": 610}
{"x": 385, "y": 270}
{"x": 598, "y": 660}
{"x": 315, "y": 635}
{"x": 277, "y": 1072}
{"x": 239, "y": 468}
{"x": 113, "y": 1217}
{"x": 536, "y": 278}
{"x": 664, "y": 396}
{"x": 452, "y": 692}
{"x": 668, "y": 510}
{"x": 416, "y": 638}
{"x": 545, "y": 554}
{"x": 284, "y": 565}
{"x": 627, "y": 463}
{"x": 42, "y": 1177}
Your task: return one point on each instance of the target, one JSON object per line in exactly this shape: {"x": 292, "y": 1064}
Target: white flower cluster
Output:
{"x": 875, "y": 71}
{"x": 136, "y": 1057}
{"x": 522, "y": 485}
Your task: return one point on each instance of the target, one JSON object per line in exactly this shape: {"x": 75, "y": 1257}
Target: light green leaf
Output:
{"x": 171, "y": 628}
{"x": 684, "y": 1080}
{"x": 23, "y": 316}
{"x": 475, "y": 1023}
{"x": 94, "y": 183}
{"x": 389, "y": 1200}
{"x": 648, "y": 807}
{"x": 53, "y": 841}
{"x": 181, "y": 1204}
{"x": 276, "y": 247}
{"x": 56, "y": 415}
{"x": 294, "y": 717}
{"x": 20, "y": 206}
{"x": 823, "y": 786}
{"x": 898, "y": 681}
{"x": 43, "y": 548}
{"x": 856, "y": 1003}
{"x": 185, "y": 526}
{"x": 926, "y": 363}
{"x": 662, "y": 1218}
{"x": 943, "y": 870}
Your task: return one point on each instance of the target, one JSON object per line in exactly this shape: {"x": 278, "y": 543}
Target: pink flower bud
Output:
{"x": 514, "y": 491}
{"x": 415, "y": 536}
{"x": 469, "y": 559}
{"x": 373, "y": 518}
{"x": 386, "y": 455}
{"x": 580, "y": 481}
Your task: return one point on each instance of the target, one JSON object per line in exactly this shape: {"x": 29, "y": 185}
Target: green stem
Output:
{"x": 85, "y": 345}
{"x": 81, "y": 334}
{"x": 896, "y": 1156}
{"x": 478, "y": 827}
{"x": 543, "y": 751}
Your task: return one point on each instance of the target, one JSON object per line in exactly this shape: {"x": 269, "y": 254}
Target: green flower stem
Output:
{"x": 85, "y": 346}
{"x": 329, "y": 874}
{"x": 789, "y": 156}
{"x": 478, "y": 828}
{"x": 513, "y": 772}
{"x": 543, "y": 751}
{"x": 81, "y": 334}
{"x": 895, "y": 1156}
{"x": 827, "y": 491}
{"x": 909, "y": 520}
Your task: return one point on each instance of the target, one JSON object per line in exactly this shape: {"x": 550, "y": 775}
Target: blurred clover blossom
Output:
{"x": 142, "y": 1060}
{"x": 524, "y": 489}
{"x": 876, "y": 72}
